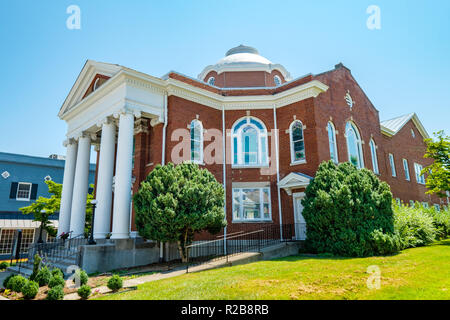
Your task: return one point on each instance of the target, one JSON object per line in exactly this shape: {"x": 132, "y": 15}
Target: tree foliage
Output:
{"x": 343, "y": 206}
{"x": 43, "y": 208}
{"x": 438, "y": 180}
{"x": 174, "y": 202}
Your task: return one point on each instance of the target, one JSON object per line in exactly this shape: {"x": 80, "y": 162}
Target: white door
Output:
{"x": 300, "y": 223}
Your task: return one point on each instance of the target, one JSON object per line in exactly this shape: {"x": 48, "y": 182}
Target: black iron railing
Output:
{"x": 53, "y": 252}
{"x": 250, "y": 238}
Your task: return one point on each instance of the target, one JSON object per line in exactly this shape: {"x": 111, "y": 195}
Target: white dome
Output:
{"x": 244, "y": 58}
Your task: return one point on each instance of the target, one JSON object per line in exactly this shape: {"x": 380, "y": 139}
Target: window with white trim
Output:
{"x": 392, "y": 164}
{"x": 437, "y": 207}
{"x": 354, "y": 145}
{"x": 406, "y": 169}
{"x": 196, "y": 128}
{"x": 249, "y": 143}
{"x": 7, "y": 237}
{"x": 251, "y": 204}
{"x": 413, "y": 134}
{"x": 211, "y": 81}
{"x": 23, "y": 191}
{"x": 425, "y": 205}
{"x": 297, "y": 142}
{"x": 277, "y": 80}
{"x": 420, "y": 178}
{"x": 332, "y": 142}
{"x": 373, "y": 151}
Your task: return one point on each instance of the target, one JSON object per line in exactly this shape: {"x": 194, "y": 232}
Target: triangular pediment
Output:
{"x": 294, "y": 180}
{"x": 91, "y": 71}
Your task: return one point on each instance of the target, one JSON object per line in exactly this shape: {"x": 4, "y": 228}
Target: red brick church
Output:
{"x": 261, "y": 133}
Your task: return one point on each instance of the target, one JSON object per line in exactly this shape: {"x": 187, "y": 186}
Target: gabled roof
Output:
{"x": 393, "y": 126}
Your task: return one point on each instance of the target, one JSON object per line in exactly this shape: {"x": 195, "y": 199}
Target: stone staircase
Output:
{"x": 59, "y": 254}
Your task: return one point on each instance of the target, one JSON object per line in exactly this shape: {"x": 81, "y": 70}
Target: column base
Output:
{"x": 100, "y": 235}
{"x": 125, "y": 235}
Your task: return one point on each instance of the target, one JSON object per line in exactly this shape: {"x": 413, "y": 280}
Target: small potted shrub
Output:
{"x": 3, "y": 265}
{"x": 30, "y": 290}
{"x": 43, "y": 277}
{"x": 115, "y": 283}
{"x": 84, "y": 292}
{"x": 56, "y": 293}
{"x": 5, "y": 282}
{"x": 57, "y": 272}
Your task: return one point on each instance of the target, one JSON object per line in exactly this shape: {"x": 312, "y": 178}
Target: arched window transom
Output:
{"x": 297, "y": 142}
{"x": 196, "y": 129}
{"x": 354, "y": 145}
{"x": 332, "y": 142}
{"x": 249, "y": 140}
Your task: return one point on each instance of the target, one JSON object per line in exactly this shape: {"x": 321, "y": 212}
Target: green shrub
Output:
{"x": 6, "y": 281}
{"x": 36, "y": 266}
{"x": 84, "y": 292}
{"x": 82, "y": 276}
{"x": 343, "y": 206}
{"x": 441, "y": 222}
{"x": 43, "y": 276}
{"x": 16, "y": 283}
{"x": 30, "y": 289}
{"x": 56, "y": 293}
{"x": 115, "y": 282}
{"x": 386, "y": 243}
{"x": 57, "y": 272}
{"x": 414, "y": 225}
{"x": 3, "y": 265}
{"x": 56, "y": 280}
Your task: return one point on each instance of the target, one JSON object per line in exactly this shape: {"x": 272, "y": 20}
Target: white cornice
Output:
{"x": 239, "y": 67}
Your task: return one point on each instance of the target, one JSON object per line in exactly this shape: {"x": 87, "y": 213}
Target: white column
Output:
{"x": 80, "y": 186}
{"x": 102, "y": 223}
{"x": 122, "y": 189}
{"x": 67, "y": 188}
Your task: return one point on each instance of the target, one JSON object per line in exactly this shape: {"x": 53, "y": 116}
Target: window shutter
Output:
{"x": 13, "y": 192}
{"x": 34, "y": 188}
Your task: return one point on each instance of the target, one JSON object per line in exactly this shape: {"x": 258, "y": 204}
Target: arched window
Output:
{"x": 212, "y": 81}
{"x": 196, "y": 141}
{"x": 332, "y": 142}
{"x": 354, "y": 145}
{"x": 373, "y": 152}
{"x": 297, "y": 142}
{"x": 277, "y": 80}
{"x": 249, "y": 142}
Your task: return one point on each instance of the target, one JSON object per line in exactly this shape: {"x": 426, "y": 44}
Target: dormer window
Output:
{"x": 277, "y": 80}
{"x": 211, "y": 81}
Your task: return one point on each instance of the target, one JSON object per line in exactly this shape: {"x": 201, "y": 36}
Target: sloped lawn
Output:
{"x": 419, "y": 273}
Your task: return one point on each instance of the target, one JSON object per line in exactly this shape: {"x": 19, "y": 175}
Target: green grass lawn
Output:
{"x": 419, "y": 273}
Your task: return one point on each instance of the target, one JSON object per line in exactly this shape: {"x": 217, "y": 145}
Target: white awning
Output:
{"x": 22, "y": 223}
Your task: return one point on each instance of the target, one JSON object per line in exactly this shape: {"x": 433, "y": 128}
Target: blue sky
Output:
{"x": 403, "y": 67}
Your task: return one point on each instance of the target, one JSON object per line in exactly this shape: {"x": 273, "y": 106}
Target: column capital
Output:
{"x": 105, "y": 120}
{"x": 156, "y": 121}
{"x": 141, "y": 125}
{"x": 68, "y": 142}
{"x": 127, "y": 110}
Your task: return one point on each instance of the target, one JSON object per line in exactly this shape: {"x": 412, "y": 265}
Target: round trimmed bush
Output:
{"x": 3, "y": 265}
{"x": 56, "y": 281}
{"x": 84, "y": 291}
{"x": 115, "y": 282}
{"x": 343, "y": 207}
{"x": 43, "y": 277}
{"x": 30, "y": 290}
{"x": 57, "y": 272}
{"x": 36, "y": 266}
{"x": 82, "y": 276}
{"x": 6, "y": 281}
{"x": 56, "y": 293}
{"x": 16, "y": 283}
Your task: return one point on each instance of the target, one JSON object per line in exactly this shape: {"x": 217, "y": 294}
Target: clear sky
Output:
{"x": 403, "y": 67}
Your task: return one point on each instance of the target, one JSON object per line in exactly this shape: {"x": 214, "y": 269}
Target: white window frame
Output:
{"x": 373, "y": 153}
{"x": 293, "y": 161}
{"x": 425, "y": 204}
{"x": 350, "y": 125}
{"x": 213, "y": 79}
{"x": 437, "y": 207}
{"x": 29, "y": 192}
{"x": 275, "y": 80}
{"x": 261, "y": 208}
{"x": 392, "y": 164}
{"x": 198, "y": 122}
{"x": 419, "y": 178}
{"x": 262, "y": 134}
{"x": 332, "y": 144}
{"x": 406, "y": 169}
